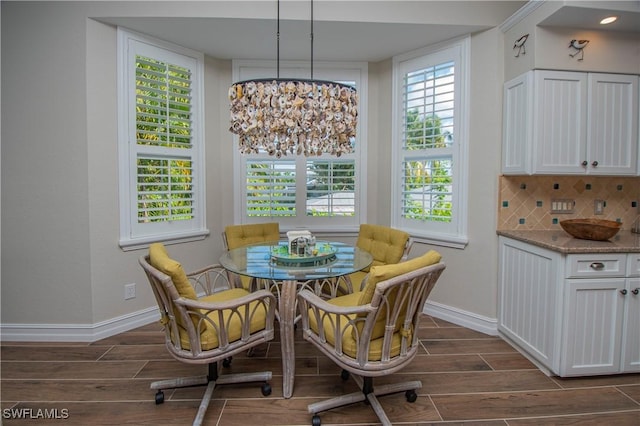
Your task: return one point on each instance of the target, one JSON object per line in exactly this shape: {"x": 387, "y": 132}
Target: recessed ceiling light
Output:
{"x": 608, "y": 20}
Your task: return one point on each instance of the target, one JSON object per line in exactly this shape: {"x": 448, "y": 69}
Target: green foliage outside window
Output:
{"x": 428, "y": 178}
{"x": 163, "y": 119}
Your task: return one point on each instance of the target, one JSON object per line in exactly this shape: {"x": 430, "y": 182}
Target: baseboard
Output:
{"x": 462, "y": 318}
{"x": 108, "y": 328}
{"x": 77, "y": 332}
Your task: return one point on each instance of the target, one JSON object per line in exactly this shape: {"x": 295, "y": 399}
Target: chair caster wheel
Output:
{"x": 411, "y": 395}
{"x": 266, "y": 389}
{"x": 315, "y": 420}
{"x": 344, "y": 375}
{"x": 159, "y": 397}
{"x": 226, "y": 363}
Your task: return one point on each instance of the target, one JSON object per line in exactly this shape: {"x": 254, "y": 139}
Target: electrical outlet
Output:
{"x": 598, "y": 206}
{"x": 129, "y": 291}
{"x": 562, "y": 205}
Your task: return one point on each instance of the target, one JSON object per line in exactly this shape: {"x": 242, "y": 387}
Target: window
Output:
{"x": 430, "y": 140}
{"x": 320, "y": 193}
{"x": 160, "y": 142}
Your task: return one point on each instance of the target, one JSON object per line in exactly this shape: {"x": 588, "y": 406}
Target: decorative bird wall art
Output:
{"x": 520, "y": 45}
{"x": 579, "y": 46}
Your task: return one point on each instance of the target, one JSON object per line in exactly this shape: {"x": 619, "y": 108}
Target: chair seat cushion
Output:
{"x": 209, "y": 338}
{"x": 349, "y": 332}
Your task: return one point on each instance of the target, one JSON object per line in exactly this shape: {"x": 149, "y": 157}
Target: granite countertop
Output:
{"x": 624, "y": 242}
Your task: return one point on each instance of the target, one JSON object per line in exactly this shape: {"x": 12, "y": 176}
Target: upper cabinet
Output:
{"x": 567, "y": 123}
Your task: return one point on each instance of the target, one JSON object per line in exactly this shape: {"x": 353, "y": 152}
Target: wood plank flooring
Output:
{"x": 468, "y": 379}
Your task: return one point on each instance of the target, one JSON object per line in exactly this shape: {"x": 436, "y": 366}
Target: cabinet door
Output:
{"x": 612, "y": 138}
{"x": 560, "y": 112}
{"x": 592, "y": 328}
{"x": 516, "y": 124}
{"x": 528, "y": 299}
{"x": 631, "y": 328}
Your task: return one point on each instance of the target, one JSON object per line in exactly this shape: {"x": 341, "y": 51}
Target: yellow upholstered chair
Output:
{"x": 222, "y": 322}
{"x": 235, "y": 236}
{"x": 373, "y": 332}
{"x": 386, "y": 245}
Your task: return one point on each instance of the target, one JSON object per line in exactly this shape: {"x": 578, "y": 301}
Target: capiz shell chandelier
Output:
{"x": 282, "y": 116}
{"x": 294, "y": 116}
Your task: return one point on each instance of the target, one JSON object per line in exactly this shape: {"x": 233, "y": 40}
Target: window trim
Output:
{"x": 459, "y": 50}
{"x": 130, "y": 238}
{"x": 335, "y": 71}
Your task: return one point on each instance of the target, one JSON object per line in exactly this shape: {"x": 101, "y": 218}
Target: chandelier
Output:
{"x": 295, "y": 116}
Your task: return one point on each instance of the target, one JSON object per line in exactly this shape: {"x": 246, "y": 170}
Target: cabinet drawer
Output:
{"x": 596, "y": 265}
{"x": 633, "y": 265}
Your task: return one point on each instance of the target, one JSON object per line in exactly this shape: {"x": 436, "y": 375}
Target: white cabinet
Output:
{"x": 529, "y": 300}
{"x": 517, "y": 124}
{"x": 594, "y": 314}
{"x": 612, "y": 133}
{"x": 631, "y": 338}
{"x": 575, "y": 314}
{"x": 560, "y": 122}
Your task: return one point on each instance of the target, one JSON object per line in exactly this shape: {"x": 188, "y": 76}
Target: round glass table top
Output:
{"x": 271, "y": 261}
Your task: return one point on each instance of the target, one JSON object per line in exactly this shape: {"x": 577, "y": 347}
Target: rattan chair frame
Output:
{"x": 410, "y": 292}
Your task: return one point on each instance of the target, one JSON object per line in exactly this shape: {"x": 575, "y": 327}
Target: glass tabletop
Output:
{"x": 269, "y": 261}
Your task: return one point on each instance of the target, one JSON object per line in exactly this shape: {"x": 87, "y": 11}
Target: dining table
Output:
{"x": 324, "y": 269}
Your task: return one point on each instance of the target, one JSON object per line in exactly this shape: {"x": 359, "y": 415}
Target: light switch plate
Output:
{"x": 598, "y": 206}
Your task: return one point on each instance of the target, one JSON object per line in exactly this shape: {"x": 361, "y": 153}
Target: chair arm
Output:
{"x": 231, "y": 321}
{"x": 263, "y": 295}
{"x": 307, "y": 297}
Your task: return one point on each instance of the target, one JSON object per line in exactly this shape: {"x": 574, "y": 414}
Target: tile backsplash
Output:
{"x": 525, "y": 201}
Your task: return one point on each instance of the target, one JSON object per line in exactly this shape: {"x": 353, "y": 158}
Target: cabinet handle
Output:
{"x": 635, "y": 291}
{"x": 623, "y": 292}
{"x": 598, "y": 266}
{"x": 594, "y": 164}
{"x": 585, "y": 162}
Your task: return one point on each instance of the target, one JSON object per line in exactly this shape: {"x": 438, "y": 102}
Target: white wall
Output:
{"x": 45, "y": 218}
{"x": 61, "y": 264}
{"x": 62, "y": 268}
{"x": 468, "y": 287}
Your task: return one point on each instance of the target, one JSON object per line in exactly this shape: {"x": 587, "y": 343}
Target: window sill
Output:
{"x": 130, "y": 244}
{"x": 452, "y": 241}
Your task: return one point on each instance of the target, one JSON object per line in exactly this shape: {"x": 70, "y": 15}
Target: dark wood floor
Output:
{"x": 468, "y": 378}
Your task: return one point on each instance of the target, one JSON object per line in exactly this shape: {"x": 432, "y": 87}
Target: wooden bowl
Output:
{"x": 591, "y": 229}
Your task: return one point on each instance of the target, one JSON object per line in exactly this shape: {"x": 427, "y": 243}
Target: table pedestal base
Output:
{"x": 287, "y": 310}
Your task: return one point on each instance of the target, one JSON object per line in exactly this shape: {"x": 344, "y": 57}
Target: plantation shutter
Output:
{"x": 271, "y": 188}
{"x": 161, "y": 146}
{"x": 427, "y": 140}
{"x": 330, "y": 188}
{"x": 163, "y": 121}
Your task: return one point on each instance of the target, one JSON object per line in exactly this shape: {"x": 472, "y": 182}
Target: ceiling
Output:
{"x": 339, "y": 37}
{"x": 588, "y": 18}
{"x": 360, "y": 33}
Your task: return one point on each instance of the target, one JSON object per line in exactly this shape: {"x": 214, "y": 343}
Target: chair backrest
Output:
{"x": 386, "y": 245}
{"x": 235, "y": 236}
{"x": 398, "y": 293}
{"x": 193, "y": 331}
